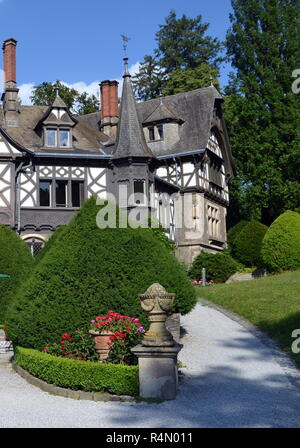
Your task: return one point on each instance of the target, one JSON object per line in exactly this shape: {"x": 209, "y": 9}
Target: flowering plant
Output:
{"x": 75, "y": 345}
{"x": 199, "y": 282}
{"x": 126, "y": 332}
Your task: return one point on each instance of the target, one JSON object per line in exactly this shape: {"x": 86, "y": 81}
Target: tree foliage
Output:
{"x": 190, "y": 79}
{"x": 246, "y": 246}
{"x": 262, "y": 112}
{"x": 185, "y": 58}
{"x": 15, "y": 261}
{"x": 149, "y": 80}
{"x": 281, "y": 244}
{"x": 219, "y": 267}
{"x": 88, "y": 271}
{"x": 79, "y": 103}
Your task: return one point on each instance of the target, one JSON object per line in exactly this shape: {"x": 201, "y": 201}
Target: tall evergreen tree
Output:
{"x": 182, "y": 43}
{"x": 263, "y": 114}
{"x": 149, "y": 80}
{"x": 185, "y": 58}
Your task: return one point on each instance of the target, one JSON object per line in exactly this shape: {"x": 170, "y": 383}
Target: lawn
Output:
{"x": 271, "y": 303}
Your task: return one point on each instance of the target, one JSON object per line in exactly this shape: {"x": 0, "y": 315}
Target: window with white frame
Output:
{"x": 60, "y": 138}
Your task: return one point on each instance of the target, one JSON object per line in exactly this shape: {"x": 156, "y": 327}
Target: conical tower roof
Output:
{"x": 130, "y": 141}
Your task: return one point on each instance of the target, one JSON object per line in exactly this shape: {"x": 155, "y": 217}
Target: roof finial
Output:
{"x": 211, "y": 80}
{"x": 56, "y": 88}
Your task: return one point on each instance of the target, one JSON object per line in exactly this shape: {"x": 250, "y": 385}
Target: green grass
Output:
{"x": 271, "y": 303}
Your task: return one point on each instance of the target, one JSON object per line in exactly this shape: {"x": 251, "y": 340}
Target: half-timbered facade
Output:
{"x": 171, "y": 154}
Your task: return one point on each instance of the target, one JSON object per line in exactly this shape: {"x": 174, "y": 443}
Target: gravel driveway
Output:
{"x": 232, "y": 379}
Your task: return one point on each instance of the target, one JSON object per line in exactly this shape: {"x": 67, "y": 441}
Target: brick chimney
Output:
{"x": 10, "y": 95}
{"x": 109, "y": 107}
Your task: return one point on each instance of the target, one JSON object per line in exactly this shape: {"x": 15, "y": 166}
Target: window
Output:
{"x": 61, "y": 193}
{"x": 77, "y": 193}
{"x": 139, "y": 192}
{"x": 58, "y": 138}
{"x": 45, "y": 193}
{"x": 160, "y": 131}
{"x": 151, "y": 134}
{"x": 51, "y": 137}
{"x": 64, "y": 137}
{"x": 213, "y": 221}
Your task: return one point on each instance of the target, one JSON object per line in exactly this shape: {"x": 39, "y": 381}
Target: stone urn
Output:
{"x": 158, "y": 303}
{"x": 102, "y": 343}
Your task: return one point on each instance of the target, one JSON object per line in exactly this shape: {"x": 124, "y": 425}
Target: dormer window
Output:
{"x": 64, "y": 137}
{"x": 57, "y": 138}
{"x": 160, "y": 130}
{"x": 51, "y": 139}
{"x": 156, "y": 132}
{"x": 151, "y": 134}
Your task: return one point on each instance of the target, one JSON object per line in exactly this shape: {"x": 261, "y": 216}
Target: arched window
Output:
{"x": 35, "y": 244}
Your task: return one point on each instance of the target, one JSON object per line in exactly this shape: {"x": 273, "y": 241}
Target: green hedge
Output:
{"x": 246, "y": 247}
{"x": 233, "y": 232}
{"x": 79, "y": 375}
{"x": 281, "y": 244}
{"x": 88, "y": 271}
{"x": 219, "y": 267}
{"x": 17, "y": 262}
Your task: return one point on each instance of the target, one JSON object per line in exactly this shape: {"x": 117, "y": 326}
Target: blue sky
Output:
{"x": 79, "y": 43}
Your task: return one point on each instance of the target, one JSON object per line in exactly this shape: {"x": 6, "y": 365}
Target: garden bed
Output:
{"x": 79, "y": 375}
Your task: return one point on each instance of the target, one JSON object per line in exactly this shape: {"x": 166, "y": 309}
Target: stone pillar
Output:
{"x": 157, "y": 354}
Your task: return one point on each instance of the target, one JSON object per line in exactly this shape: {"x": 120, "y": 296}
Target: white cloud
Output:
{"x": 25, "y": 90}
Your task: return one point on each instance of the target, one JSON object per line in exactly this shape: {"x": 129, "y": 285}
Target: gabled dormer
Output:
{"x": 56, "y": 126}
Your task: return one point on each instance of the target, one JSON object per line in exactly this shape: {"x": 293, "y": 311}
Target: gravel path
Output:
{"x": 232, "y": 379}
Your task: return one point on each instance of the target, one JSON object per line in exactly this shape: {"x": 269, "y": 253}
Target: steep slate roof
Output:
{"x": 194, "y": 108}
{"x": 85, "y": 138}
{"x": 130, "y": 141}
{"x": 161, "y": 113}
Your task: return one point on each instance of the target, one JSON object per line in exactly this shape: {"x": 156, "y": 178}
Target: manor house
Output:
{"x": 164, "y": 152}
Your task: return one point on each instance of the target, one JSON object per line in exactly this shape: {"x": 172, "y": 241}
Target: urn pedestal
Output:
{"x": 157, "y": 354}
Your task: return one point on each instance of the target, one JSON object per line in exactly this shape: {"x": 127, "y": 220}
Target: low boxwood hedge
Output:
{"x": 79, "y": 375}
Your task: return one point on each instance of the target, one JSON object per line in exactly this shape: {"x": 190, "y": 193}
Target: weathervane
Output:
{"x": 125, "y": 40}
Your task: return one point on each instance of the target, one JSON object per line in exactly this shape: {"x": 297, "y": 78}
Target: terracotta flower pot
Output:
{"x": 102, "y": 343}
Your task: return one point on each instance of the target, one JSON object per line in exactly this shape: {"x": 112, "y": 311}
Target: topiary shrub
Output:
{"x": 219, "y": 267}
{"x": 89, "y": 271}
{"x": 15, "y": 261}
{"x": 233, "y": 233}
{"x": 246, "y": 247}
{"x": 281, "y": 244}
{"x": 54, "y": 236}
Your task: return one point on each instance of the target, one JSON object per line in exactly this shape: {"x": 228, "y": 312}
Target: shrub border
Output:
{"x": 23, "y": 356}
{"x": 69, "y": 393}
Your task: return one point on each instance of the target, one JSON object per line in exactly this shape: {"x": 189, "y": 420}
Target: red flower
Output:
{"x": 128, "y": 328}
{"x": 45, "y": 350}
{"x": 120, "y": 335}
{"x": 67, "y": 337}
{"x": 112, "y": 338}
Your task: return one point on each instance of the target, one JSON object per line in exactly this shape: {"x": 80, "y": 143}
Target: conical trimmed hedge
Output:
{"x": 246, "y": 247}
{"x": 281, "y": 244}
{"x": 15, "y": 261}
{"x": 88, "y": 271}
